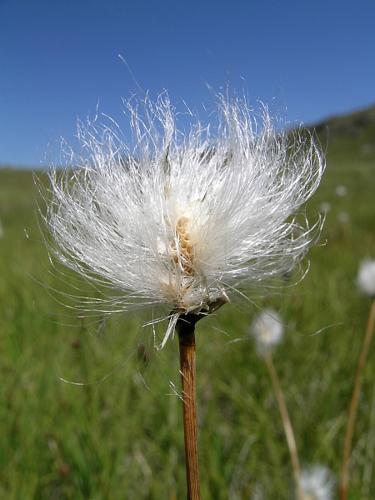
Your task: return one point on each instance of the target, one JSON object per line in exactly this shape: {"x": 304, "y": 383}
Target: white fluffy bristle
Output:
{"x": 182, "y": 219}
{"x": 268, "y": 330}
{"x": 366, "y": 277}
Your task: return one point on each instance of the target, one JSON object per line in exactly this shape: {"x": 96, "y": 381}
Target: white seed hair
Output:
{"x": 267, "y": 329}
{"x": 183, "y": 219}
{"x": 317, "y": 483}
{"x": 366, "y": 277}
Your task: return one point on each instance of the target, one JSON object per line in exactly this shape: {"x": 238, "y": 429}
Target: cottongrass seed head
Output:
{"x": 179, "y": 219}
{"x": 317, "y": 483}
{"x": 268, "y": 330}
{"x": 366, "y": 277}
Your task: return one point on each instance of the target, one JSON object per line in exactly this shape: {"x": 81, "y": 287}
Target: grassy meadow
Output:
{"x": 119, "y": 435}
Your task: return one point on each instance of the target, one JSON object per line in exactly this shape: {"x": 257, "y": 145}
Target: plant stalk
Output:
{"x": 353, "y": 406}
{"x": 288, "y": 428}
{"x": 186, "y": 328}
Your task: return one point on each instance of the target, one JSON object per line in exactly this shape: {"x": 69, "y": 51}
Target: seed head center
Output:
{"x": 183, "y": 252}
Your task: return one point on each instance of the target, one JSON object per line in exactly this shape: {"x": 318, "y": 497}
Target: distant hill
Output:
{"x": 349, "y": 136}
{"x": 348, "y": 124}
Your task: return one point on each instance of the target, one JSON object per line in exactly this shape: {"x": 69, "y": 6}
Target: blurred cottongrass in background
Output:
{"x": 317, "y": 483}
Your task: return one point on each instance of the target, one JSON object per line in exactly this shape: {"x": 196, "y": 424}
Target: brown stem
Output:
{"x": 185, "y": 328}
{"x": 353, "y": 407}
{"x": 288, "y": 429}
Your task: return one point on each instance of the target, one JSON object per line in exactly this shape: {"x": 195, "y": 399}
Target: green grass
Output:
{"x": 121, "y": 437}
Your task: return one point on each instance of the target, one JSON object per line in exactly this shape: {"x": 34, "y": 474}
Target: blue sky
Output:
{"x": 59, "y": 59}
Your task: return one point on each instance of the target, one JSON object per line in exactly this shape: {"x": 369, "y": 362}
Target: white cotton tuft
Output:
{"x": 366, "y": 277}
{"x": 343, "y": 218}
{"x": 325, "y": 207}
{"x": 268, "y": 330}
{"x": 317, "y": 483}
{"x": 341, "y": 190}
{"x": 184, "y": 219}
{"x": 257, "y": 493}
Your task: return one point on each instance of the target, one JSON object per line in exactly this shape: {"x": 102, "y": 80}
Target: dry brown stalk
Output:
{"x": 186, "y": 328}
{"x": 353, "y": 406}
{"x": 288, "y": 428}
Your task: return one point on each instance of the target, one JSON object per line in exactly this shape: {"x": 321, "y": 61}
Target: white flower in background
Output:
{"x": 184, "y": 220}
{"x": 341, "y": 191}
{"x": 257, "y": 493}
{"x": 267, "y": 329}
{"x": 366, "y": 277}
{"x": 343, "y": 218}
{"x": 317, "y": 483}
{"x": 325, "y": 207}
